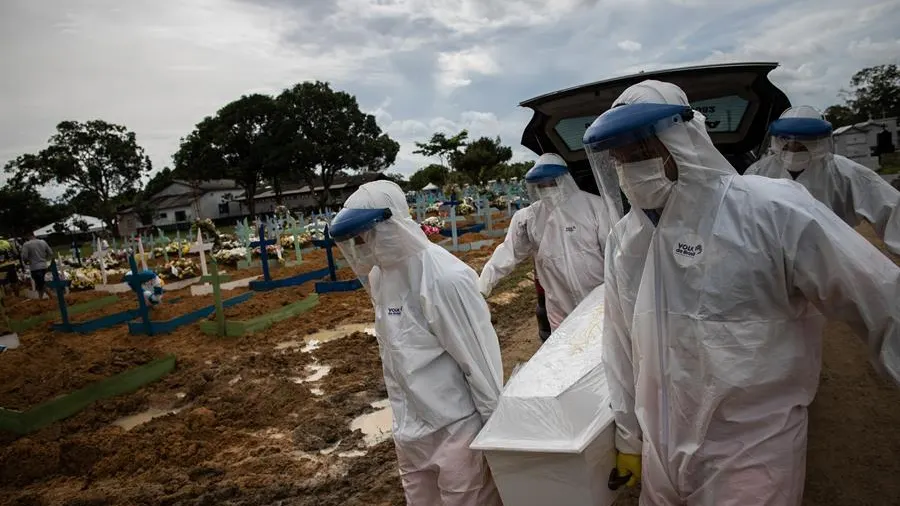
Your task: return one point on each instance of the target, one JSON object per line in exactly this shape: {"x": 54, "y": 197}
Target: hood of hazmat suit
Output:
{"x": 564, "y": 229}
{"x": 440, "y": 355}
{"x": 714, "y": 307}
{"x": 802, "y": 149}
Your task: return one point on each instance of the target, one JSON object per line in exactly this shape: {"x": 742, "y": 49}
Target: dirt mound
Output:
{"x": 46, "y": 368}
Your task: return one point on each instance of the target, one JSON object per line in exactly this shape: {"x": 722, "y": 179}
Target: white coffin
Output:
{"x": 551, "y": 438}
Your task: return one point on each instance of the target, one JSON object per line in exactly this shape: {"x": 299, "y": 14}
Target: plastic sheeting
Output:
{"x": 551, "y": 438}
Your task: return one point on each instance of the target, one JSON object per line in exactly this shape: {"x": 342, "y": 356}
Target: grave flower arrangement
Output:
{"x": 429, "y": 230}
{"x": 434, "y": 221}
{"x": 182, "y": 268}
{"x": 230, "y": 256}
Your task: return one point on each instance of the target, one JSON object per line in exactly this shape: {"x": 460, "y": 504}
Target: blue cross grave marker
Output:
{"x": 60, "y": 285}
{"x": 136, "y": 279}
{"x": 263, "y": 254}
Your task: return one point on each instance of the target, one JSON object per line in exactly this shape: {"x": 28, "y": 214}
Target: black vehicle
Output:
{"x": 738, "y": 100}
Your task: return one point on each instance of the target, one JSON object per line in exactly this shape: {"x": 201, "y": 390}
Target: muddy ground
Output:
{"x": 246, "y": 428}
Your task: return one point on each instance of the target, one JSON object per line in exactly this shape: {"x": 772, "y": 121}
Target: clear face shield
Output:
{"x": 548, "y": 191}
{"x": 798, "y": 142}
{"x": 627, "y": 158}
{"x": 354, "y": 232}
{"x": 544, "y": 181}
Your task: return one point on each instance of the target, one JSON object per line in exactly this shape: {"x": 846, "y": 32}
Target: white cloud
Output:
{"x": 629, "y": 46}
{"x": 455, "y": 69}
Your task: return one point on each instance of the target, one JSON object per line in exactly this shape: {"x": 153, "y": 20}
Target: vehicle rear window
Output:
{"x": 723, "y": 115}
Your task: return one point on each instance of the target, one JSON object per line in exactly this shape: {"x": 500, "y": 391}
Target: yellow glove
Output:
{"x": 627, "y": 464}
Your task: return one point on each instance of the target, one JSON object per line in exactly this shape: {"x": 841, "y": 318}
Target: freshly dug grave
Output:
{"x": 126, "y": 302}
{"x": 20, "y": 308}
{"x": 181, "y": 304}
{"x": 473, "y": 237}
{"x": 267, "y": 302}
{"x": 46, "y": 368}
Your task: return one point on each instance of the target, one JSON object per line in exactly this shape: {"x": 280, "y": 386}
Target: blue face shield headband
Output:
{"x": 350, "y": 223}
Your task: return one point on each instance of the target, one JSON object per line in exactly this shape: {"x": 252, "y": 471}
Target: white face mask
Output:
{"x": 361, "y": 256}
{"x": 550, "y": 194}
{"x": 645, "y": 183}
{"x": 795, "y": 161}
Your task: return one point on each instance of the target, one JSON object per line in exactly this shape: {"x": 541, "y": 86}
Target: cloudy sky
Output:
{"x": 160, "y": 66}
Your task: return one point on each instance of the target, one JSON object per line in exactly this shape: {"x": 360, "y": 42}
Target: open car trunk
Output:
{"x": 737, "y": 99}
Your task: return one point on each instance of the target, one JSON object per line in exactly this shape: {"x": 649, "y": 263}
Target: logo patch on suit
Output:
{"x": 688, "y": 250}
{"x": 395, "y": 311}
{"x": 570, "y": 228}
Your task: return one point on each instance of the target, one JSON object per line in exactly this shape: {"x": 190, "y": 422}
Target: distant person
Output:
{"x": 37, "y": 255}
{"x": 440, "y": 355}
{"x": 564, "y": 230}
{"x": 717, "y": 290}
{"x": 802, "y": 149}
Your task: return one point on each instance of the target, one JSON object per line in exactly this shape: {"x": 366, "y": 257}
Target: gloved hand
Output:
{"x": 627, "y": 463}
{"x": 484, "y": 286}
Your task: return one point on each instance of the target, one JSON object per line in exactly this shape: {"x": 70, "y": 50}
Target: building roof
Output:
{"x": 337, "y": 184}
{"x": 71, "y": 223}
{"x": 863, "y": 126}
{"x": 212, "y": 184}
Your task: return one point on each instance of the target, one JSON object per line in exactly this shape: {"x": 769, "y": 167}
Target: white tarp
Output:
{"x": 551, "y": 437}
{"x": 71, "y": 225}
{"x": 430, "y": 187}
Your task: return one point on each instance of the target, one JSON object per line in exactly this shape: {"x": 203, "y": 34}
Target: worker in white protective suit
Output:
{"x": 802, "y": 149}
{"x": 564, "y": 229}
{"x": 440, "y": 354}
{"x": 716, "y": 285}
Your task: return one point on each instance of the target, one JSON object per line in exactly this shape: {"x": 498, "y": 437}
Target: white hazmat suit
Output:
{"x": 854, "y": 192}
{"x": 712, "y": 343}
{"x": 440, "y": 355}
{"x": 564, "y": 230}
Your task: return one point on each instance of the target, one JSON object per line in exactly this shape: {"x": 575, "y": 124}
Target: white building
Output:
{"x": 858, "y": 142}
{"x": 182, "y": 202}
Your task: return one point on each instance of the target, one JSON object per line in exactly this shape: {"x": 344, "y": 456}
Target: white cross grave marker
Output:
{"x": 202, "y": 248}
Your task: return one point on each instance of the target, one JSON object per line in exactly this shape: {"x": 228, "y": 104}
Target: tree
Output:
{"x": 840, "y": 115}
{"x": 445, "y": 148}
{"x": 481, "y": 158}
{"x": 876, "y": 92}
{"x": 97, "y": 158}
{"x": 238, "y": 143}
{"x": 511, "y": 170}
{"x": 322, "y": 132}
{"x": 433, "y": 173}
{"x": 158, "y": 182}
{"x": 23, "y": 209}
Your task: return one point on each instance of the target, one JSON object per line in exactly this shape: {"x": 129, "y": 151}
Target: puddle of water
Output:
{"x": 180, "y": 395}
{"x": 314, "y": 340}
{"x": 310, "y": 346}
{"x": 317, "y": 372}
{"x": 235, "y": 380}
{"x": 318, "y": 392}
{"x": 352, "y": 454}
{"x": 129, "y": 422}
{"x": 376, "y": 427}
{"x": 330, "y": 449}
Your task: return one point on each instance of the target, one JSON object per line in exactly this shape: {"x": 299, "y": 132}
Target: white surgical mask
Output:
{"x": 550, "y": 194}
{"x": 795, "y": 161}
{"x": 645, "y": 183}
{"x": 361, "y": 256}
